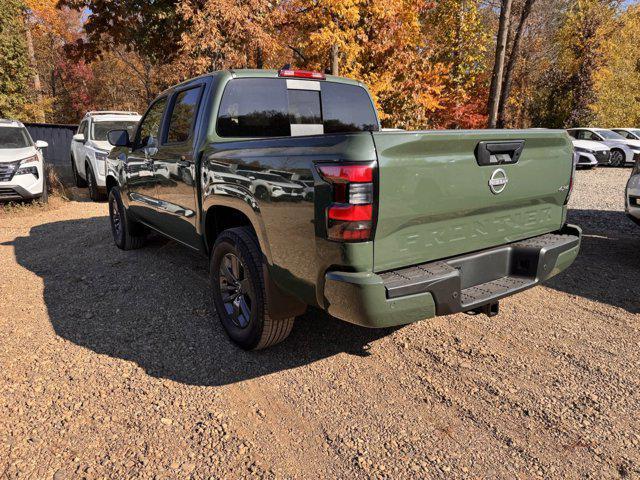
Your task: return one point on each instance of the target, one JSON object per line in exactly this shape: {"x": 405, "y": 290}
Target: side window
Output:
{"x": 254, "y": 107}
{"x": 584, "y": 135}
{"x": 623, "y": 133}
{"x": 83, "y": 128}
{"x": 149, "y": 128}
{"x": 183, "y": 115}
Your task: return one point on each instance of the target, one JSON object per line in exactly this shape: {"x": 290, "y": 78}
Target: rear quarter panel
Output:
{"x": 291, "y": 233}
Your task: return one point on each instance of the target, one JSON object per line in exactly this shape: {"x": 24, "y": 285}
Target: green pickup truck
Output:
{"x": 286, "y": 181}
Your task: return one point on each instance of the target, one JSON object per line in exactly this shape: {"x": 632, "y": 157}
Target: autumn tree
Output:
{"x": 617, "y": 97}
{"x": 460, "y": 42}
{"x": 378, "y": 42}
{"x": 152, "y": 29}
{"x": 223, "y": 34}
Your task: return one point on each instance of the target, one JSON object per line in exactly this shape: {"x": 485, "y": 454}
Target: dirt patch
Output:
{"x": 113, "y": 368}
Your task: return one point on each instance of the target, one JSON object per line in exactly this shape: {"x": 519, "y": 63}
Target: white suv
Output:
{"x": 90, "y": 147}
{"x": 22, "y": 174}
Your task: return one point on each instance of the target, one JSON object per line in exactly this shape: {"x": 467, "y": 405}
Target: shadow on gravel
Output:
{"x": 607, "y": 269}
{"x": 152, "y": 307}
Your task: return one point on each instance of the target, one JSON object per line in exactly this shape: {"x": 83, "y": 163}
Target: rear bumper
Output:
{"x": 454, "y": 285}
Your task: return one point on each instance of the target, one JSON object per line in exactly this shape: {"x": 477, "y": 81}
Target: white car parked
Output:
{"x": 90, "y": 147}
{"x": 623, "y": 150}
{"x": 22, "y": 174}
{"x": 591, "y": 154}
{"x": 632, "y": 195}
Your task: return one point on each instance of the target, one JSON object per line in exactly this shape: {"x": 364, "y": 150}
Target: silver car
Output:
{"x": 623, "y": 151}
{"x": 628, "y": 133}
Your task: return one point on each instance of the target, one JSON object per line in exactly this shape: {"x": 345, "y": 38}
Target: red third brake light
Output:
{"x": 301, "y": 74}
{"x": 350, "y": 216}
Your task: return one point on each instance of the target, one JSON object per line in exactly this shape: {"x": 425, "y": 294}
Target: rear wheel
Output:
{"x": 77, "y": 179}
{"x": 617, "y": 158}
{"x": 127, "y": 234}
{"x": 239, "y": 293}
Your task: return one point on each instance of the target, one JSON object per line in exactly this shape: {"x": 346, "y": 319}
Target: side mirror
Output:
{"x": 41, "y": 144}
{"x": 78, "y": 137}
{"x": 118, "y": 138}
{"x": 251, "y": 177}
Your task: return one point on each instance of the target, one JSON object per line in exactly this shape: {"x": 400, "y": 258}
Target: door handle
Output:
{"x": 498, "y": 152}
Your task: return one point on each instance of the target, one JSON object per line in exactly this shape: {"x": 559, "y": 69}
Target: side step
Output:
{"x": 481, "y": 294}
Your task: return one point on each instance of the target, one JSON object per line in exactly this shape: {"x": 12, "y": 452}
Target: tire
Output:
{"x": 77, "y": 179}
{"x": 44, "y": 197}
{"x": 245, "y": 318}
{"x": 94, "y": 193}
{"x": 127, "y": 234}
{"x": 617, "y": 158}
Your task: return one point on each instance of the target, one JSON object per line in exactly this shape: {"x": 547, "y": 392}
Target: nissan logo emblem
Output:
{"x": 498, "y": 181}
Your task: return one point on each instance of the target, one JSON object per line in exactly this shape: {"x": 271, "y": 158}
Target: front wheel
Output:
{"x": 94, "y": 192}
{"x": 617, "y": 158}
{"x": 239, "y": 293}
{"x": 127, "y": 234}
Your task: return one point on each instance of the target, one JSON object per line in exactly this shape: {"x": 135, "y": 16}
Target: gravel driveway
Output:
{"x": 110, "y": 367}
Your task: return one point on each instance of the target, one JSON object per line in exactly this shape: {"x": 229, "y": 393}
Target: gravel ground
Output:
{"x": 111, "y": 368}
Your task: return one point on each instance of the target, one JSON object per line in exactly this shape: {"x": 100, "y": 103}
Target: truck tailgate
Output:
{"x": 437, "y": 200}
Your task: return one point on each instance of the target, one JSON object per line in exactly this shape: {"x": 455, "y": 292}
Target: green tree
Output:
{"x": 15, "y": 72}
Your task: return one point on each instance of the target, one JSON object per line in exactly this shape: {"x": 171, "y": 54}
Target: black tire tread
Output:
{"x": 273, "y": 330}
{"x": 96, "y": 195}
{"x": 135, "y": 234}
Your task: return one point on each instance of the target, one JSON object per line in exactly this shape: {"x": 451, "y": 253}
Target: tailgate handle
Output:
{"x": 498, "y": 152}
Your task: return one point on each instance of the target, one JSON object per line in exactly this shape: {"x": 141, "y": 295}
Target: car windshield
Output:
{"x": 99, "y": 130}
{"x": 14, "y": 137}
{"x": 609, "y": 135}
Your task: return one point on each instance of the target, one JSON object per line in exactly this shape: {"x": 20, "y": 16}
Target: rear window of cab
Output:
{"x": 275, "y": 107}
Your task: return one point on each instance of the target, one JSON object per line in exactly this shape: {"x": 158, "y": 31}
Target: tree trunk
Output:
{"x": 334, "y": 60}
{"x": 511, "y": 64}
{"x": 498, "y": 65}
{"x": 37, "y": 86}
{"x": 259, "y": 61}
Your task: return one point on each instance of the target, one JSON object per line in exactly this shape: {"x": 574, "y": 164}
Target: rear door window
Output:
{"x": 254, "y": 107}
{"x": 183, "y": 115}
{"x": 267, "y": 107}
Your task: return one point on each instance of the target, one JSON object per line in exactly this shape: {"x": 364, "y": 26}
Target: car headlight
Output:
{"x": 27, "y": 166}
{"x": 584, "y": 150}
{"x": 276, "y": 188}
{"x": 635, "y": 151}
{"x": 101, "y": 155}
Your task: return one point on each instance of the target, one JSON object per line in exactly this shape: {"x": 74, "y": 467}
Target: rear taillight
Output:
{"x": 350, "y": 214}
